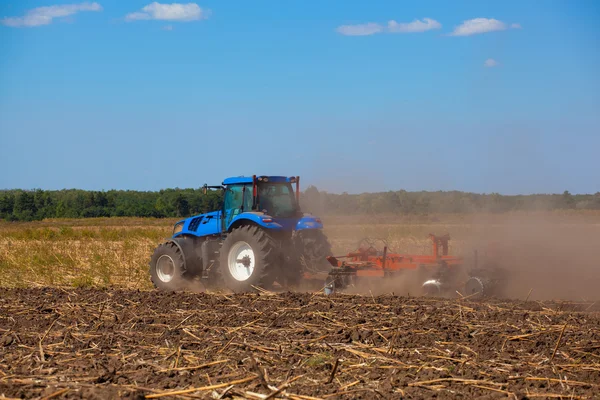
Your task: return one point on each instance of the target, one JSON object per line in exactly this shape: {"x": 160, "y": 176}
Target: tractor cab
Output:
{"x": 259, "y": 197}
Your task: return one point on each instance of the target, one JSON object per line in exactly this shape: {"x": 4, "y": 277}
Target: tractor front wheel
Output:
{"x": 248, "y": 259}
{"x": 167, "y": 267}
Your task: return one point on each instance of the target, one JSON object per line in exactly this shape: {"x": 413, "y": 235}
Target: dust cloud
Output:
{"x": 544, "y": 256}
{"x": 553, "y": 256}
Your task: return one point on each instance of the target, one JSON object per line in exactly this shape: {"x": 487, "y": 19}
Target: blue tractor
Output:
{"x": 259, "y": 236}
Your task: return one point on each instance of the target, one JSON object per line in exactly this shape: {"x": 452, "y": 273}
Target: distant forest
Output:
{"x": 22, "y": 205}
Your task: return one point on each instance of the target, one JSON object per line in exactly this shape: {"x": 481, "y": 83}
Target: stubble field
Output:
{"x": 79, "y": 319}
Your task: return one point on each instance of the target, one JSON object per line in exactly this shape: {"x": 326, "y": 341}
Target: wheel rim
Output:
{"x": 165, "y": 268}
{"x": 241, "y": 261}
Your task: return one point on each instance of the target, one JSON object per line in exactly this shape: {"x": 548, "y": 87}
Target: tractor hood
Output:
{"x": 213, "y": 214}
{"x": 199, "y": 225}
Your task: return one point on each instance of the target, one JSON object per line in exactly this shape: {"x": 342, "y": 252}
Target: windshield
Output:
{"x": 277, "y": 198}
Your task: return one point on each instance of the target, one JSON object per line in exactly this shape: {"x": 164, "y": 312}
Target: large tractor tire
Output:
{"x": 313, "y": 248}
{"x": 248, "y": 259}
{"x": 291, "y": 271}
{"x": 167, "y": 267}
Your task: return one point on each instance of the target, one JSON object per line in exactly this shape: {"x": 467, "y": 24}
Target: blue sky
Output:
{"x": 482, "y": 96}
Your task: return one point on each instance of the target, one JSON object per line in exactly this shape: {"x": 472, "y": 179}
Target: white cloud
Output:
{"x": 490, "y": 62}
{"x": 416, "y": 26}
{"x": 372, "y": 28}
{"x": 515, "y": 26}
{"x": 478, "y": 25}
{"x": 167, "y": 28}
{"x": 169, "y": 12}
{"x": 360, "y": 29}
{"x": 45, "y": 15}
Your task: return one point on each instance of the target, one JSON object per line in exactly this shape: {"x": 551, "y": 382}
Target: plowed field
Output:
{"x": 90, "y": 343}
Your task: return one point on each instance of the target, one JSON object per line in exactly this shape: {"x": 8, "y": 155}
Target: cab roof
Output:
{"x": 237, "y": 180}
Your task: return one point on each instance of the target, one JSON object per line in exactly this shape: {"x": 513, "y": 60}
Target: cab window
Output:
{"x": 236, "y": 196}
{"x": 277, "y": 198}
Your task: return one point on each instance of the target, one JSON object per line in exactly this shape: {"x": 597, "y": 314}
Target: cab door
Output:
{"x": 238, "y": 199}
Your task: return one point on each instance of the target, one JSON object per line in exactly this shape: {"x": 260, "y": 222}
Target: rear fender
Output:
{"x": 251, "y": 218}
{"x": 309, "y": 222}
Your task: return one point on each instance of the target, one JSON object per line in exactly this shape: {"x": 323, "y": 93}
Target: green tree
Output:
{"x": 25, "y": 208}
{"x": 7, "y": 204}
{"x": 182, "y": 206}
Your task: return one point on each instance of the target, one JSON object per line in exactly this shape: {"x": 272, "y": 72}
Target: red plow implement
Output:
{"x": 440, "y": 273}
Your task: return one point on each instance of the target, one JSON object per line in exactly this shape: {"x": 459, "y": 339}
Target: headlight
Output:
{"x": 178, "y": 228}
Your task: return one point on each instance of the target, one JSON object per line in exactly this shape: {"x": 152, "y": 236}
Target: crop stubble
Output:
{"x": 90, "y": 343}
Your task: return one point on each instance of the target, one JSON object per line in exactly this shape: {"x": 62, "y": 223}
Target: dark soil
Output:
{"x": 99, "y": 344}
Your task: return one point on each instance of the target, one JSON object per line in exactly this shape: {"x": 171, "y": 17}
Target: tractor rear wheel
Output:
{"x": 167, "y": 267}
{"x": 248, "y": 258}
{"x": 313, "y": 248}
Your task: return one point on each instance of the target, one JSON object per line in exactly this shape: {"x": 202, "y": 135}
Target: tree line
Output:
{"x": 421, "y": 203}
{"x": 23, "y": 205}
{"x": 28, "y": 205}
